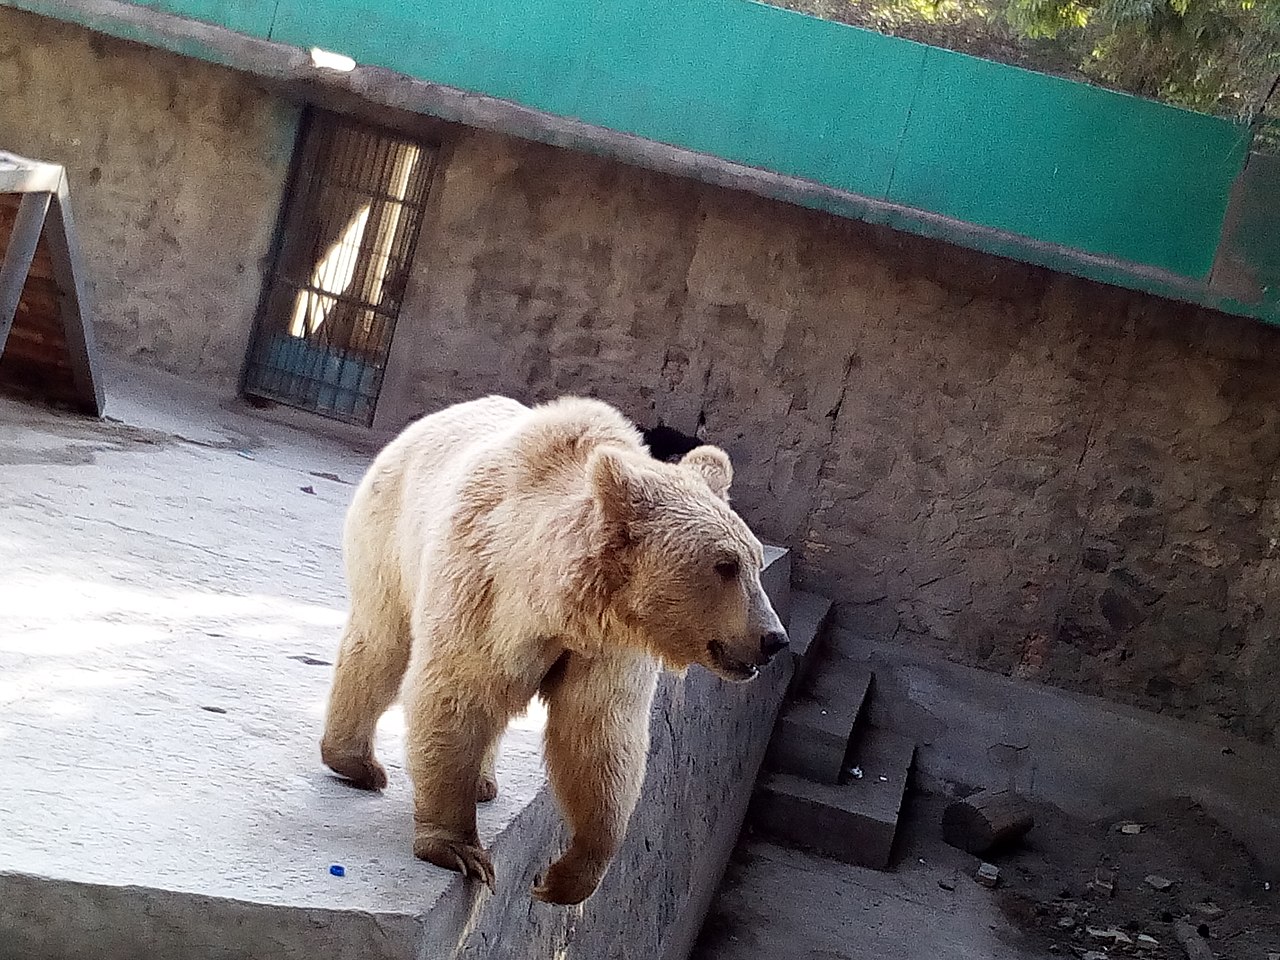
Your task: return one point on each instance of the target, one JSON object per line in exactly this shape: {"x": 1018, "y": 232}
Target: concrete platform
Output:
{"x": 170, "y": 601}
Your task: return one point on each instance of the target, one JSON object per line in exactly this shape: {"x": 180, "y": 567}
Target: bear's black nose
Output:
{"x": 772, "y": 644}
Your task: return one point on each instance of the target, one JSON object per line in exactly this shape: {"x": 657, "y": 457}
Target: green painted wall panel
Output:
{"x": 666, "y": 77}
{"x": 244, "y": 16}
{"x": 531, "y": 52}
{"x": 837, "y": 112}
{"x": 1069, "y": 164}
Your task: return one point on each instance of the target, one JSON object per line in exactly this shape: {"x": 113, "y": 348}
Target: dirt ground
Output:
{"x": 777, "y": 901}
{"x": 1182, "y": 864}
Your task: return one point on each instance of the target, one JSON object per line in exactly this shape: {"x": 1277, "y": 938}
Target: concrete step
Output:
{"x": 854, "y": 822}
{"x": 808, "y": 630}
{"x": 813, "y": 735}
{"x": 776, "y": 580}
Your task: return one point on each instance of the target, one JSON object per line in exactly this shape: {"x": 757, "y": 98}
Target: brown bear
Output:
{"x": 496, "y": 552}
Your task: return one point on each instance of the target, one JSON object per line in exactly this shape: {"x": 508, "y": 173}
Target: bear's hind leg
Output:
{"x": 371, "y": 664}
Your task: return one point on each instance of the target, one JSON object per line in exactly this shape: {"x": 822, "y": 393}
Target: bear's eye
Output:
{"x": 728, "y": 569}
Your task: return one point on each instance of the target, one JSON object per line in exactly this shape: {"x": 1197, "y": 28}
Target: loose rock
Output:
{"x": 1157, "y": 882}
{"x": 988, "y": 875}
{"x": 985, "y": 820}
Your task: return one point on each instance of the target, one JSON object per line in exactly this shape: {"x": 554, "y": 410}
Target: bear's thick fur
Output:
{"x": 495, "y": 552}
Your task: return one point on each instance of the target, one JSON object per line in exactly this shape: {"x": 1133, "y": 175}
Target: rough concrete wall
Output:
{"x": 1040, "y": 475}
{"x": 176, "y": 169}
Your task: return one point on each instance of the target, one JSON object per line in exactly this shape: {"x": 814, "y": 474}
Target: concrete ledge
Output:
{"x": 164, "y": 649}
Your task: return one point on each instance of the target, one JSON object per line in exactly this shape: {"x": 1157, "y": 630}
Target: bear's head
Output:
{"x": 685, "y": 567}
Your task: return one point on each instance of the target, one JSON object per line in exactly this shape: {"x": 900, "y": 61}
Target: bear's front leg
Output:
{"x": 447, "y": 736}
{"x": 597, "y": 741}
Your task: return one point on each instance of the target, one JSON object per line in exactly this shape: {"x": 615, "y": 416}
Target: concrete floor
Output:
{"x": 780, "y": 902}
{"x": 170, "y": 599}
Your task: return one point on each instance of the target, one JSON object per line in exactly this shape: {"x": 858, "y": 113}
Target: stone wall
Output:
{"x": 176, "y": 169}
{"x": 1039, "y": 475}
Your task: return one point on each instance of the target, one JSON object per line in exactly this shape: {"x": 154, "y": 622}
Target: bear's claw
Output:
{"x": 467, "y": 859}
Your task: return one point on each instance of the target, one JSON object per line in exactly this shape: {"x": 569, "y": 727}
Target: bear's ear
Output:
{"x": 619, "y": 487}
{"x": 713, "y": 465}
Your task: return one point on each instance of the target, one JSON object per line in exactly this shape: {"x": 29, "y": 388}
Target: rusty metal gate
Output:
{"x": 329, "y": 308}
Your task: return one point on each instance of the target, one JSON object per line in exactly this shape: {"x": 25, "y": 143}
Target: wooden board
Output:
{"x": 49, "y": 351}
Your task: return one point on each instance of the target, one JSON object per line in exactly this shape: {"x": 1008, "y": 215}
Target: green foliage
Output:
{"x": 1217, "y": 56}
{"x": 1213, "y": 55}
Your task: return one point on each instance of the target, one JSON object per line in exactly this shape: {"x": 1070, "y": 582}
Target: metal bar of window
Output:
{"x": 352, "y": 221}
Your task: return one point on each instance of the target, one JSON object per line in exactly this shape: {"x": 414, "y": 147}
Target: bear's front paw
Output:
{"x": 469, "y": 859}
{"x": 486, "y": 789}
{"x": 570, "y": 880}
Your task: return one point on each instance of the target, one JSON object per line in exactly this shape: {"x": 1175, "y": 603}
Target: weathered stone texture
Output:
{"x": 1041, "y": 475}
{"x": 176, "y": 168}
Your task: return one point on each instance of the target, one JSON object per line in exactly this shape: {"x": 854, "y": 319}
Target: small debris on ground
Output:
{"x": 215, "y": 709}
{"x": 1157, "y": 882}
{"x": 337, "y": 870}
{"x": 1112, "y": 934}
{"x": 947, "y": 884}
{"x": 1094, "y": 955}
{"x": 311, "y": 661}
{"x": 324, "y": 475}
{"x": 1131, "y": 829}
{"x": 1208, "y": 909}
{"x": 1063, "y": 876}
{"x": 246, "y": 454}
{"x": 1103, "y": 884}
{"x": 856, "y": 773}
{"x": 308, "y": 489}
{"x": 988, "y": 875}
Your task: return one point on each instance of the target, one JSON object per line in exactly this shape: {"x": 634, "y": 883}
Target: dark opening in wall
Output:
{"x": 667, "y": 443}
